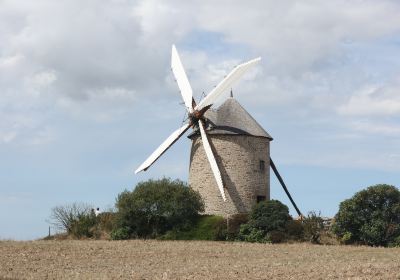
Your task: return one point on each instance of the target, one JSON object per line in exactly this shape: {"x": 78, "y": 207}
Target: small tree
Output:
{"x": 156, "y": 206}
{"x": 267, "y": 222}
{"x": 313, "y": 226}
{"x": 76, "y": 219}
{"x": 85, "y": 226}
{"x": 371, "y": 216}
{"x": 270, "y": 215}
{"x": 64, "y": 217}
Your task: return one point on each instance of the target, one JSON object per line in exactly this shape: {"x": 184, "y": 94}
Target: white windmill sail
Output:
{"x": 226, "y": 83}
{"x": 181, "y": 79}
{"x": 163, "y": 147}
{"x": 211, "y": 160}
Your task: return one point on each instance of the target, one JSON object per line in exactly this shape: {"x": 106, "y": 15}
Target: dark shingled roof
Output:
{"x": 232, "y": 118}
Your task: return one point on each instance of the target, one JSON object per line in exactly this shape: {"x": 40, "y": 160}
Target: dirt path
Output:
{"x": 138, "y": 259}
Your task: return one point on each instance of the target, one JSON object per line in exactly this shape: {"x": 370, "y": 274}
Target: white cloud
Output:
{"x": 292, "y": 35}
{"x": 313, "y": 29}
{"x": 103, "y": 60}
{"x": 374, "y": 127}
{"x": 41, "y": 81}
{"x": 112, "y": 94}
{"x": 24, "y": 128}
{"x": 373, "y": 101}
{"x": 44, "y": 79}
{"x": 10, "y": 61}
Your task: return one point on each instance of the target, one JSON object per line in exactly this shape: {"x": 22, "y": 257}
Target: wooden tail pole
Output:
{"x": 284, "y": 187}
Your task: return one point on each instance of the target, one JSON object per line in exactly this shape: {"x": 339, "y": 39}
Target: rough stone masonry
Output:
{"x": 241, "y": 148}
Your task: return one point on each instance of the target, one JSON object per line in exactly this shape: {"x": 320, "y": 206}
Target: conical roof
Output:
{"x": 232, "y": 118}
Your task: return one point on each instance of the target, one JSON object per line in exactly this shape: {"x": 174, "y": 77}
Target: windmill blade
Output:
{"x": 211, "y": 159}
{"x": 163, "y": 148}
{"x": 226, "y": 83}
{"x": 181, "y": 79}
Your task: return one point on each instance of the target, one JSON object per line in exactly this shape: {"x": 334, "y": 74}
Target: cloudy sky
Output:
{"x": 86, "y": 94}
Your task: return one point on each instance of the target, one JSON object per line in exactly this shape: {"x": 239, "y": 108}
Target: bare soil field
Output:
{"x": 138, "y": 259}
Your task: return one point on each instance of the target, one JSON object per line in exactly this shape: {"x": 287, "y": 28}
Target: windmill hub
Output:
{"x": 195, "y": 117}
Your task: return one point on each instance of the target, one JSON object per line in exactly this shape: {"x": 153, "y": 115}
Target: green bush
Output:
{"x": 275, "y": 236}
{"x": 266, "y": 219}
{"x": 269, "y": 215}
{"x": 84, "y": 226}
{"x": 395, "y": 242}
{"x": 120, "y": 233}
{"x": 294, "y": 230}
{"x": 371, "y": 216}
{"x": 205, "y": 228}
{"x": 157, "y": 206}
{"x": 346, "y": 238}
{"x": 313, "y": 226}
{"x": 106, "y": 221}
{"x": 249, "y": 233}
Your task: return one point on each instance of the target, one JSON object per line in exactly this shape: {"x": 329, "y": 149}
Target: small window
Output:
{"x": 262, "y": 165}
{"x": 260, "y": 198}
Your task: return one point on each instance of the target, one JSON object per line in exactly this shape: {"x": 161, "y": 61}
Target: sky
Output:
{"x": 86, "y": 94}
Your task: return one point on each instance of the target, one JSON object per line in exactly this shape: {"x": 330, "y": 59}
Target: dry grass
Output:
{"x": 138, "y": 259}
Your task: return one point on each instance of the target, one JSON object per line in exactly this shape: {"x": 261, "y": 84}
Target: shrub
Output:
{"x": 249, "y": 233}
{"x": 205, "y": 228}
{"x": 275, "y": 236}
{"x": 156, "y": 206}
{"x": 313, "y": 226}
{"x": 395, "y": 242}
{"x": 120, "y": 233}
{"x": 294, "y": 229}
{"x": 267, "y": 222}
{"x": 103, "y": 225}
{"x": 75, "y": 218}
{"x": 84, "y": 226}
{"x": 346, "y": 238}
{"x": 106, "y": 221}
{"x": 233, "y": 225}
{"x": 371, "y": 216}
{"x": 270, "y": 215}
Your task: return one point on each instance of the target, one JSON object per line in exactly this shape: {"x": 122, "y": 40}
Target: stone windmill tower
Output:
{"x": 241, "y": 148}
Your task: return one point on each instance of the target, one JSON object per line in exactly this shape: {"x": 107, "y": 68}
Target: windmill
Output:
{"x": 241, "y": 168}
{"x": 196, "y": 113}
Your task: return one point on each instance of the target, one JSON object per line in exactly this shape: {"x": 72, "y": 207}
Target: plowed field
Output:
{"x": 139, "y": 259}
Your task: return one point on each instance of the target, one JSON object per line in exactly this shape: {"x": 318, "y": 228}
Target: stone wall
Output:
{"x": 238, "y": 157}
